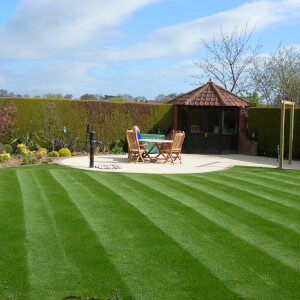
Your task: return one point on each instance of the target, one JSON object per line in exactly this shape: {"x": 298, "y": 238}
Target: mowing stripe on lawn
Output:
{"x": 288, "y": 176}
{"x": 257, "y": 195}
{"x": 288, "y": 183}
{"x": 246, "y": 198}
{"x": 152, "y": 264}
{"x": 242, "y": 270}
{"x": 268, "y": 197}
{"x": 14, "y": 282}
{"x": 94, "y": 271}
{"x": 267, "y": 184}
{"x": 49, "y": 269}
{"x": 261, "y": 241}
{"x": 192, "y": 196}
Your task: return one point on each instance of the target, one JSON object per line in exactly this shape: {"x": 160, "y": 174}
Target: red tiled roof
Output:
{"x": 210, "y": 94}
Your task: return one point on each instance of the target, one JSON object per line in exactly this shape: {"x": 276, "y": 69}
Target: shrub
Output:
{"x": 117, "y": 150}
{"x": 4, "y": 157}
{"x": 29, "y": 159}
{"x": 54, "y": 154}
{"x": 47, "y": 160}
{"x": 75, "y": 153}
{"x": 42, "y": 152}
{"x": 8, "y": 148}
{"x": 21, "y": 149}
{"x": 117, "y": 147}
{"x": 64, "y": 152}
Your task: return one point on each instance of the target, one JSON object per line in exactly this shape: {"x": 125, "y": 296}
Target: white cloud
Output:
{"x": 78, "y": 31}
{"x": 185, "y": 38}
{"x": 41, "y": 28}
{"x": 184, "y": 68}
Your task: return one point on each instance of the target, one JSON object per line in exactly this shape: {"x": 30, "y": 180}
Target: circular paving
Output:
{"x": 191, "y": 163}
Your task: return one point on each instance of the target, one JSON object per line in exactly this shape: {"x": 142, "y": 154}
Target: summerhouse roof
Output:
{"x": 211, "y": 94}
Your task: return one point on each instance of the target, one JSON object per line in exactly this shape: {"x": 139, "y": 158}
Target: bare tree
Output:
{"x": 228, "y": 58}
{"x": 277, "y": 76}
{"x": 51, "y": 124}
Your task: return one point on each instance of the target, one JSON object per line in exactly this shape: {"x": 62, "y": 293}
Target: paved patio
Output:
{"x": 191, "y": 163}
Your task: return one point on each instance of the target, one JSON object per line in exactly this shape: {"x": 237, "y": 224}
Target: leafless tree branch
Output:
{"x": 228, "y": 58}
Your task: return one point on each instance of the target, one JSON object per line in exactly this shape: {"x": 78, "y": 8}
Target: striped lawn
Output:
{"x": 222, "y": 235}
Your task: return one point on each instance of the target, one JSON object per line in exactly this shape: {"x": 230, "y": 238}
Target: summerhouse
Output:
{"x": 214, "y": 120}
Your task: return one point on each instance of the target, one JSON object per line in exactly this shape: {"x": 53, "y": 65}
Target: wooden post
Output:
{"x": 282, "y": 120}
{"x": 291, "y": 134}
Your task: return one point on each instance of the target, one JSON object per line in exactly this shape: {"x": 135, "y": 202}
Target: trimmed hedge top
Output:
{"x": 45, "y": 119}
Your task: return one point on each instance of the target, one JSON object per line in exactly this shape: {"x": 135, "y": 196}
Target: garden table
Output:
{"x": 157, "y": 143}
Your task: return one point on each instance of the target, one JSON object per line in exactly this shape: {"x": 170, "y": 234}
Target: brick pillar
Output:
{"x": 180, "y": 117}
{"x": 175, "y": 117}
{"x": 245, "y": 146}
{"x": 243, "y": 116}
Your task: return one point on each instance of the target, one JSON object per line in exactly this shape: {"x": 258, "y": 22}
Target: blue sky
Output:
{"x": 138, "y": 47}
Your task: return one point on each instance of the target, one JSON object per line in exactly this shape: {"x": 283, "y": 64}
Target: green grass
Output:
{"x": 222, "y": 235}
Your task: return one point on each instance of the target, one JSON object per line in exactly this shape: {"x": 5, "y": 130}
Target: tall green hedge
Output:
{"x": 45, "y": 118}
{"x": 266, "y": 122}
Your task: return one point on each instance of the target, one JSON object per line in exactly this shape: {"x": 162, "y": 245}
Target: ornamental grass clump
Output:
{"x": 64, "y": 152}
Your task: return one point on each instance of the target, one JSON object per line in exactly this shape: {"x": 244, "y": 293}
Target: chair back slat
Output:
{"x": 132, "y": 140}
{"x": 178, "y": 139}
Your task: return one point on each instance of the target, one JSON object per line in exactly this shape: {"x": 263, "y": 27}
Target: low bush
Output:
{"x": 4, "y": 157}
{"x": 117, "y": 150}
{"x": 75, "y": 153}
{"x": 21, "y": 149}
{"x": 117, "y": 147}
{"x": 64, "y": 152}
{"x": 42, "y": 152}
{"x": 47, "y": 160}
{"x": 8, "y": 148}
{"x": 29, "y": 159}
{"x": 54, "y": 154}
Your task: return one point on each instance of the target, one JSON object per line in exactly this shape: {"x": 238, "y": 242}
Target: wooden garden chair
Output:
{"x": 135, "y": 149}
{"x": 173, "y": 151}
